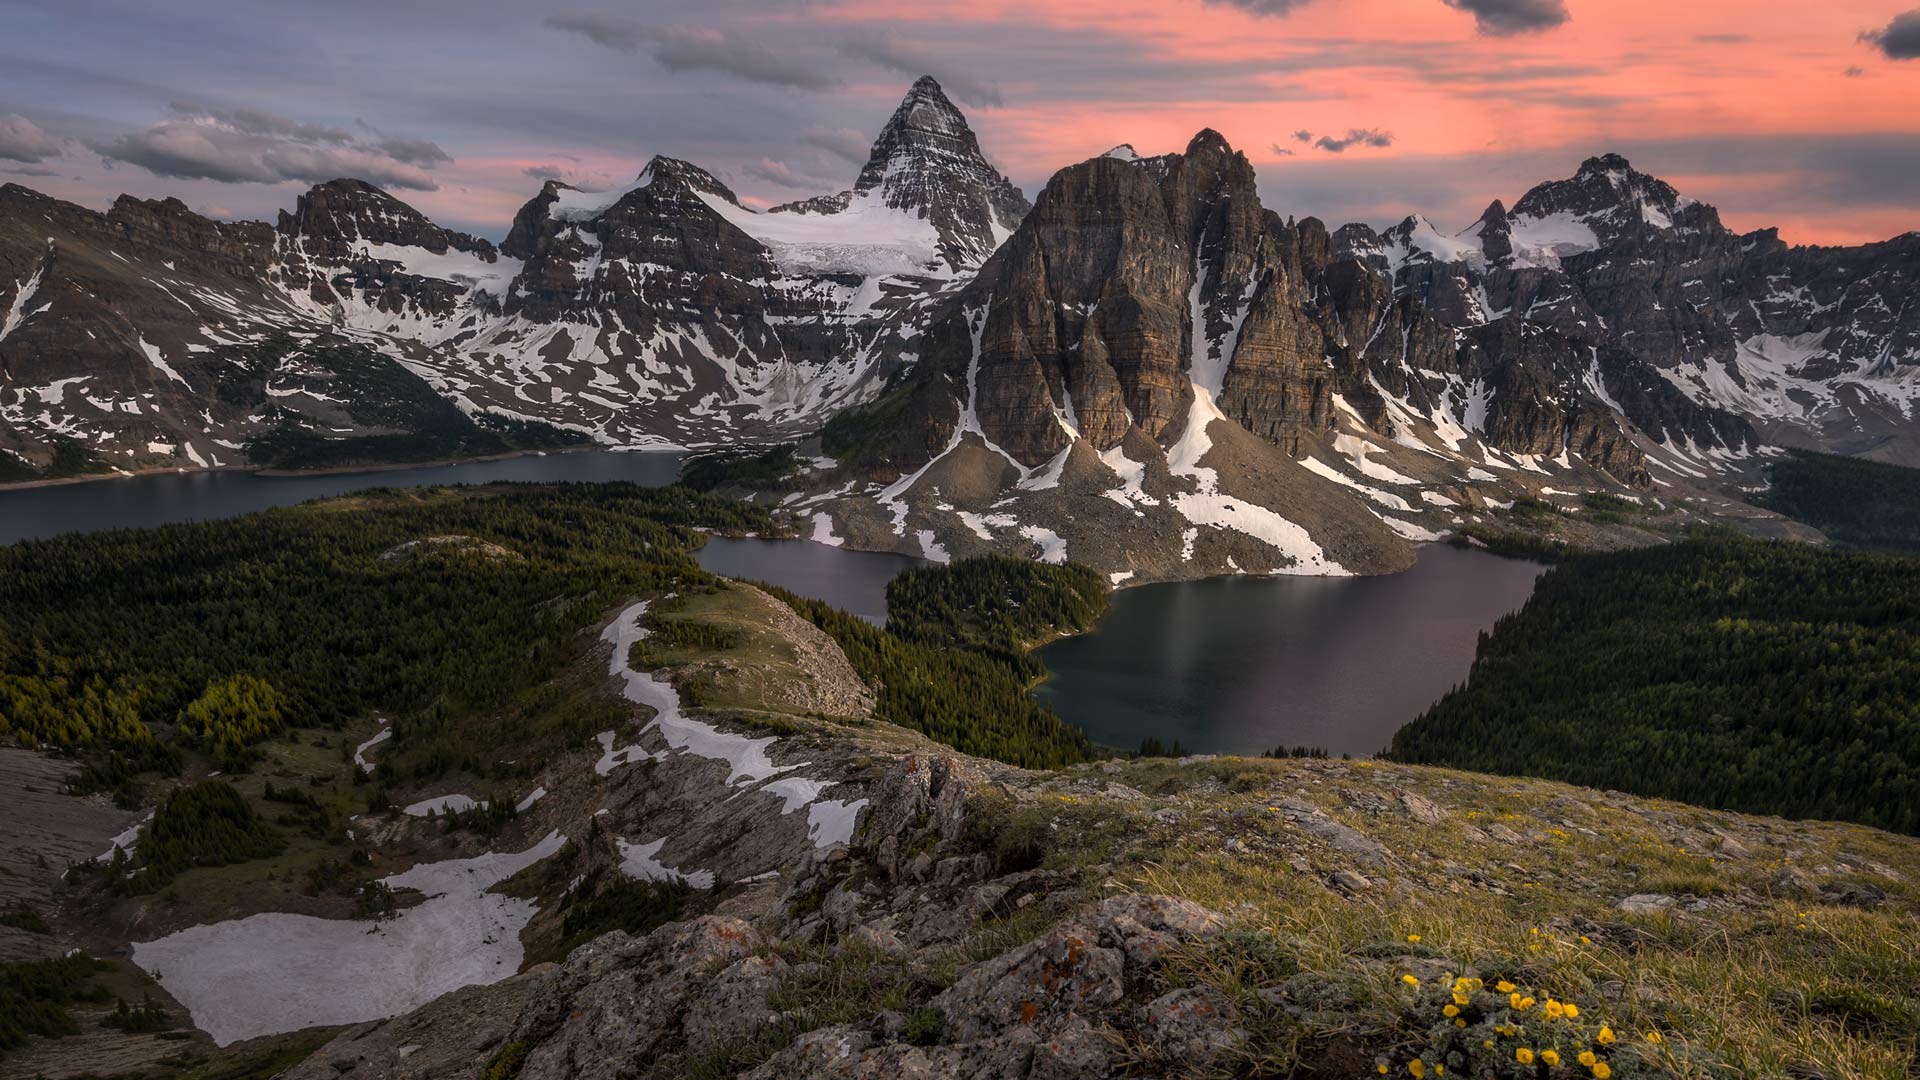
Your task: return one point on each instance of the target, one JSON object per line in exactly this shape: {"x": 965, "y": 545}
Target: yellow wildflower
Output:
{"x": 1606, "y": 1036}
{"x": 1504, "y": 986}
{"x": 1410, "y": 980}
{"x": 1417, "y": 1067}
{"x": 1551, "y": 1057}
{"x": 1601, "y": 1070}
{"x": 1381, "y": 1069}
{"x": 1585, "y": 940}
{"x": 1460, "y": 998}
{"x": 1555, "y": 1010}
{"x": 1523, "y": 1055}
{"x": 1653, "y": 1037}
{"x": 1488, "y": 1043}
{"x": 1587, "y": 1058}
{"x": 1460, "y": 1023}
{"x": 1439, "y": 1069}
{"x": 1450, "y": 1011}
{"x": 1572, "y": 1009}
{"x": 1413, "y": 937}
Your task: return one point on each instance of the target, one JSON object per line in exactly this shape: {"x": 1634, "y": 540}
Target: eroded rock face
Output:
{"x": 1051, "y": 1008}
{"x": 620, "y": 1000}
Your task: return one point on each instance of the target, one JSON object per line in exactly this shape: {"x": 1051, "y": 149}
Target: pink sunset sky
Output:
{"x": 1791, "y": 115}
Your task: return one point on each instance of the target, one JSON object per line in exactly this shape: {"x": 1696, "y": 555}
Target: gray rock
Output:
{"x": 1350, "y": 881}
{"x": 1191, "y": 1025}
{"x": 620, "y": 999}
{"x": 734, "y": 1005}
{"x": 1343, "y": 838}
{"x": 1646, "y": 904}
{"x": 1422, "y": 809}
{"x": 874, "y": 939}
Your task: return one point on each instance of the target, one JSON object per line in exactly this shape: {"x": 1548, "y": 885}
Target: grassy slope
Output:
{"x": 1758, "y": 979}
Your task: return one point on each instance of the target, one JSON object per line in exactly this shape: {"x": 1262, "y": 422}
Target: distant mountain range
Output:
{"x": 1145, "y": 368}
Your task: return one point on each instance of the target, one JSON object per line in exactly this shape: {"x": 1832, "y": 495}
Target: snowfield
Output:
{"x": 275, "y": 972}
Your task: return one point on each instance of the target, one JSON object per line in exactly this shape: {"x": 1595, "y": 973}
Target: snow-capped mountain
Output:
{"x": 1809, "y": 346}
{"x": 662, "y": 312}
{"x": 926, "y": 167}
{"x": 1160, "y": 377}
{"x": 1146, "y": 368}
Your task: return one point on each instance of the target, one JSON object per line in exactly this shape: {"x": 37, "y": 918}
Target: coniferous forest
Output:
{"x": 437, "y": 608}
{"x": 1763, "y": 677}
{"x": 429, "y": 605}
{"x": 953, "y": 661}
{"x": 1856, "y": 502}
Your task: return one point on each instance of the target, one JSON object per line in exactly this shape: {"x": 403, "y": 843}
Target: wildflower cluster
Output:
{"x": 1476, "y": 1030}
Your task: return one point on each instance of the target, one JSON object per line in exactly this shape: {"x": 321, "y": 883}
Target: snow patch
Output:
{"x": 277, "y": 972}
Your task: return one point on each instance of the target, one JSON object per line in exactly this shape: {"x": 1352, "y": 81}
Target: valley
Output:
{"x": 829, "y": 814}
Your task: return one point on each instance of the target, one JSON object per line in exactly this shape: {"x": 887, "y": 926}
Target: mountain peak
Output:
{"x": 1607, "y": 162}
{"x": 342, "y": 214}
{"x": 677, "y": 173}
{"x": 1614, "y": 199}
{"x": 927, "y": 160}
{"x": 1208, "y": 139}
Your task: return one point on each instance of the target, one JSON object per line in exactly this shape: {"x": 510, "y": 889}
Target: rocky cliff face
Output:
{"x": 1150, "y": 314}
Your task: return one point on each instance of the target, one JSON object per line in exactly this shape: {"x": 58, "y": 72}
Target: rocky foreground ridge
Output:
{"x": 1200, "y": 917}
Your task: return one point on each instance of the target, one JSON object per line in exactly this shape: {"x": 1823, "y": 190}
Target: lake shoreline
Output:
{"x": 337, "y": 470}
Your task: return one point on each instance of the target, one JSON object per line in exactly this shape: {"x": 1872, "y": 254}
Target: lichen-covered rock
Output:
{"x": 1192, "y": 1024}
{"x": 735, "y": 1004}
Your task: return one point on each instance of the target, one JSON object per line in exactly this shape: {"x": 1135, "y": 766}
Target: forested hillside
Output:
{"x": 428, "y": 605}
{"x": 953, "y": 661}
{"x": 1856, "y": 502}
{"x": 1764, "y": 677}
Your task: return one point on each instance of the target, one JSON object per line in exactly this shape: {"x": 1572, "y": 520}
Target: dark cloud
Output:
{"x": 1899, "y": 39}
{"x": 1261, "y": 7}
{"x": 571, "y": 177}
{"x": 422, "y": 152}
{"x": 781, "y": 174}
{"x": 1354, "y": 137}
{"x": 957, "y": 79}
{"x": 1303, "y": 135}
{"x": 30, "y": 170}
{"x": 693, "y": 48}
{"x": 848, "y": 144}
{"x": 240, "y": 146}
{"x": 1281, "y": 150}
{"x": 257, "y": 122}
{"x": 1503, "y": 17}
{"x": 24, "y": 141}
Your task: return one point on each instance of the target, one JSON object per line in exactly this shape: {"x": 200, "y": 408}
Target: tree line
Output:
{"x": 1765, "y": 677}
